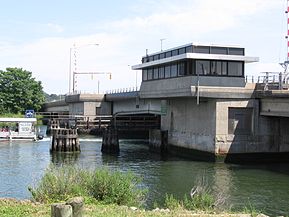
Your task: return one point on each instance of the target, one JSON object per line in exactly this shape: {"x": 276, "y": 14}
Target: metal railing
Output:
{"x": 123, "y": 90}
{"x": 262, "y": 79}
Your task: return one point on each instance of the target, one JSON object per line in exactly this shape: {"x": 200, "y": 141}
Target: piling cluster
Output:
{"x": 65, "y": 140}
{"x": 110, "y": 143}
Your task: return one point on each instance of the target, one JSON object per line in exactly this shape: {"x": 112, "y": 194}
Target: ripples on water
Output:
{"x": 266, "y": 187}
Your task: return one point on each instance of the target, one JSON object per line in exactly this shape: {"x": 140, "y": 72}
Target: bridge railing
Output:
{"x": 262, "y": 79}
{"x": 123, "y": 90}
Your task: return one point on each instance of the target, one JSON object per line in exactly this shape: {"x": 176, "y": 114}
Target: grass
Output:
{"x": 15, "y": 208}
{"x": 12, "y": 207}
{"x": 100, "y": 185}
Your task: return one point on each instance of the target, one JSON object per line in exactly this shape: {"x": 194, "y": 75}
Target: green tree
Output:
{"x": 19, "y": 91}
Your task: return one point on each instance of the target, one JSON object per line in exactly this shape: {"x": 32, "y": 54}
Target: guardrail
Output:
{"x": 123, "y": 90}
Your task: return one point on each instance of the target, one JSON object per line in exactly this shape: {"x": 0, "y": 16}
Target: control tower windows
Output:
{"x": 150, "y": 74}
{"x": 181, "y": 68}
{"x": 161, "y": 72}
{"x": 202, "y": 67}
{"x": 167, "y": 71}
{"x": 237, "y": 51}
{"x": 144, "y": 74}
{"x": 235, "y": 68}
{"x": 201, "y": 49}
{"x": 174, "y": 70}
{"x": 156, "y": 73}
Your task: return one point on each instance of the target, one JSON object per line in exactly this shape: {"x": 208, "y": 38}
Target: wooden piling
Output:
{"x": 64, "y": 140}
{"x": 110, "y": 143}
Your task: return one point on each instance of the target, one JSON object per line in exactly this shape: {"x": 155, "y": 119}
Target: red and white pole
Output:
{"x": 287, "y": 36}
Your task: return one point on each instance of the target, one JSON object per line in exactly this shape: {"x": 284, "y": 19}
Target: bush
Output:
{"x": 59, "y": 184}
{"x": 201, "y": 199}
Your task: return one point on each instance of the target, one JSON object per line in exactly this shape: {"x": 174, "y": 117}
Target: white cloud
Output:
{"x": 123, "y": 42}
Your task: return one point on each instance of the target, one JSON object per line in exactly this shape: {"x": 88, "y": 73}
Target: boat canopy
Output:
{"x": 18, "y": 120}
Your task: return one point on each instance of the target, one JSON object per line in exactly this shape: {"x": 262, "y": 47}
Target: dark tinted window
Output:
{"x": 219, "y": 50}
{"x": 235, "y": 68}
{"x": 167, "y": 71}
{"x": 236, "y": 51}
{"x": 174, "y": 70}
{"x": 181, "y": 69}
{"x": 156, "y": 73}
{"x": 201, "y": 49}
{"x": 162, "y": 72}
{"x": 182, "y": 50}
{"x": 144, "y": 75}
{"x": 224, "y": 68}
{"x": 156, "y": 57}
{"x": 175, "y": 52}
{"x": 168, "y": 54}
{"x": 189, "y": 49}
{"x": 202, "y": 67}
{"x": 162, "y": 55}
{"x": 150, "y": 74}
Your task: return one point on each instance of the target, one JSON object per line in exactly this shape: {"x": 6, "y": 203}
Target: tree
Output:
{"x": 19, "y": 91}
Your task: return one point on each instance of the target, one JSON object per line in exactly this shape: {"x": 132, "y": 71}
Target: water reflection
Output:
{"x": 59, "y": 158}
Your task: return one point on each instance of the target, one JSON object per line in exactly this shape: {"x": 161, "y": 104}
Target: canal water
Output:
{"x": 264, "y": 187}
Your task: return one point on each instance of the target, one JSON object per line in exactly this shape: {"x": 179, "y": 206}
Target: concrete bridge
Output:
{"x": 207, "y": 108}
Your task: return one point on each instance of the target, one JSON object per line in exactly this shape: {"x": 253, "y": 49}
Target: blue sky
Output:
{"x": 37, "y": 35}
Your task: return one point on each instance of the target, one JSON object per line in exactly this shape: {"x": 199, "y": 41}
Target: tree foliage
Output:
{"x": 19, "y": 91}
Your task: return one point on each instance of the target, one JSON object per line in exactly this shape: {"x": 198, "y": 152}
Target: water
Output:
{"x": 265, "y": 187}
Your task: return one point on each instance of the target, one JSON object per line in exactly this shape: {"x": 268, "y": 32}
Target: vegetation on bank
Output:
{"x": 100, "y": 185}
{"x": 111, "y": 193}
{"x": 19, "y": 91}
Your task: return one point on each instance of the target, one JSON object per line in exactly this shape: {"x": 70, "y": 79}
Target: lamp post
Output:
{"x": 135, "y": 77}
{"x": 70, "y": 63}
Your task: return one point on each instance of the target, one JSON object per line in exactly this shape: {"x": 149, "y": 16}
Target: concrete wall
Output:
{"x": 56, "y": 106}
{"x": 275, "y": 107}
{"x": 284, "y": 135}
{"x": 230, "y": 143}
{"x": 129, "y": 106}
{"x": 269, "y": 134}
{"x": 76, "y": 108}
{"x": 181, "y": 86}
{"x": 189, "y": 125}
{"x": 57, "y": 109}
{"x": 89, "y": 108}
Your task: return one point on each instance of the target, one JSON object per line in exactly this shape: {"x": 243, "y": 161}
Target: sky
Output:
{"x": 39, "y": 36}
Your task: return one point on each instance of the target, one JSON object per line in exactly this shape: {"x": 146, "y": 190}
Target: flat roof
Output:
{"x": 194, "y": 44}
{"x": 199, "y": 56}
{"x": 17, "y": 120}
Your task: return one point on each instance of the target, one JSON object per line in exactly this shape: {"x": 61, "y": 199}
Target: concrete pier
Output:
{"x": 158, "y": 141}
{"x": 110, "y": 143}
{"x": 65, "y": 140}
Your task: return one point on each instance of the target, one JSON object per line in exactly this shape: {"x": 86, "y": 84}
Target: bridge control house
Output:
{"x": 207, "y": 108}
{"x": 205, "y": 105}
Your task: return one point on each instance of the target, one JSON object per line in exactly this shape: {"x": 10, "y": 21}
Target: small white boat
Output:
{"x": 23, "y": 128}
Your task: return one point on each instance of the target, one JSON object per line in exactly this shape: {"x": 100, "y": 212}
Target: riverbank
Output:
{"x": 12, "y": 207}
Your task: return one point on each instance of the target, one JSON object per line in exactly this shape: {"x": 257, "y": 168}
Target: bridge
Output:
{"x": 201, "y": 103}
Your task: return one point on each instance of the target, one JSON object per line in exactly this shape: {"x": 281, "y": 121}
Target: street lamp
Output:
{"x": 135, "y": 77}
{"x": 70, "y": 51}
